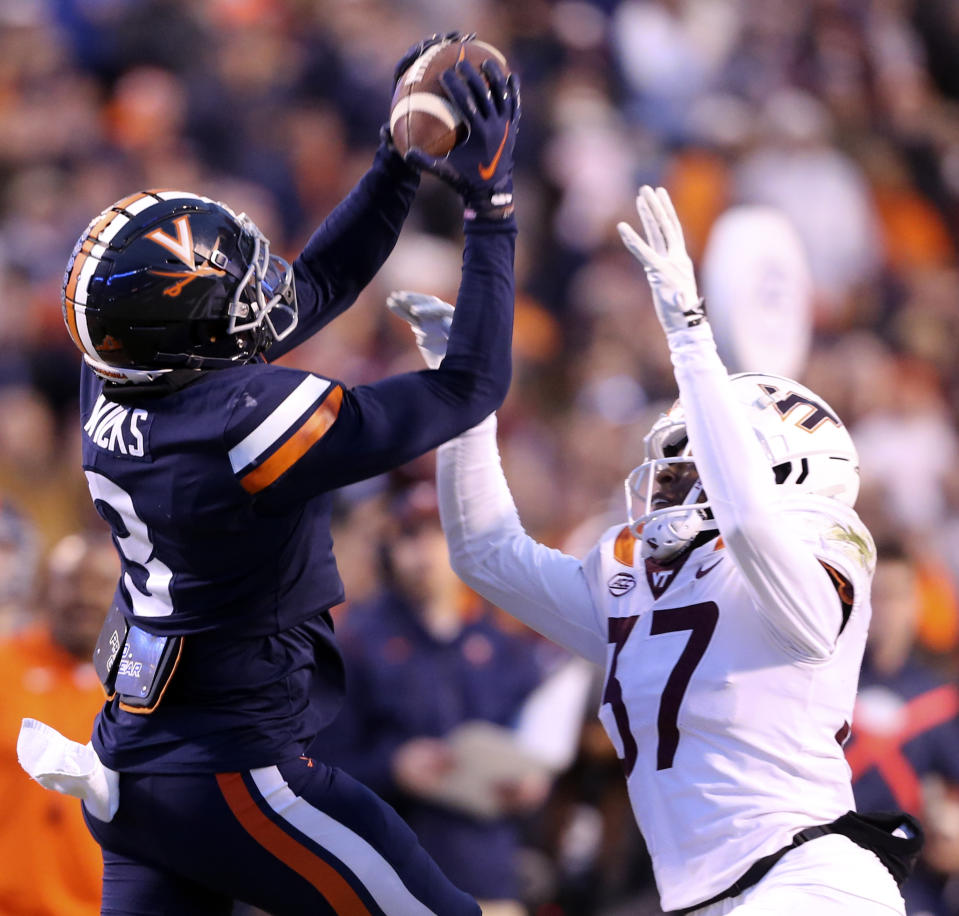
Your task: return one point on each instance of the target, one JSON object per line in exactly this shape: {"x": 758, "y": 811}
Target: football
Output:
{"x": 421, "y": 115}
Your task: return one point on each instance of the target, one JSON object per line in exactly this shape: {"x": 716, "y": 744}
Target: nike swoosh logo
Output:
{"x": 705, "y": 570}
{"x": 486, "y": 171}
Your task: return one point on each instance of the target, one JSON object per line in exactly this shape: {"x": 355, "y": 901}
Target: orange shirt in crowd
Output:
{"x": 49, "y": 863}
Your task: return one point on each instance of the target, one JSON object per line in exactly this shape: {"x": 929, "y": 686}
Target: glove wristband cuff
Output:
{"x": 499, "y": 205}
{"x": 700, "y": 331}
{"x": 483, "y": 223}
{"x": 492, "y": 213}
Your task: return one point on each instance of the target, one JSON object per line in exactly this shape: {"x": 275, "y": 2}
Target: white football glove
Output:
{"x": 664, "y": 258}
{"x": 69, "y": 767}
{"x": 430, "y": 319}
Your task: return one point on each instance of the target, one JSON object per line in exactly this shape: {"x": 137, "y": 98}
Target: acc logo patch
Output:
{"x": 621, "y": 583}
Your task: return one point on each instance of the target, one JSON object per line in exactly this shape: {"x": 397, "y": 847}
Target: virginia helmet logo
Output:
{"x": 182, "y": 248}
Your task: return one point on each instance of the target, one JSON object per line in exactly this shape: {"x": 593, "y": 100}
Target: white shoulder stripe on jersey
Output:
{"x": 376, "y": 874}
{"x": 277, "y": 423}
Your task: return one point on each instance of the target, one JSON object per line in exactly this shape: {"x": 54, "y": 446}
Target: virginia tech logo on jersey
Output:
{"x": 658, "y": 578}
{"x": 181, "y": 247}
{"x": 662, "y": 577}
{"x": 621, "y": 583}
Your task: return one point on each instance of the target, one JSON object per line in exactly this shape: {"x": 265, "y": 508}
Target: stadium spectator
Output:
{"x": 423, "y": 657}
{"x": 52, "y": 866}
{"x": 19, "y": 560}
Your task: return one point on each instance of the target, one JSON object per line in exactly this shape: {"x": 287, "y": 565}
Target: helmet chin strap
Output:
{"x": 667, "y": 536}
{"x": 123, "y": 376}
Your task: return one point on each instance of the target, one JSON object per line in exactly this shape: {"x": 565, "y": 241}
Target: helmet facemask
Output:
{"x": 266, "y": 292}
{"x": 808, "y": 449}
{"x": 666, "y": 487}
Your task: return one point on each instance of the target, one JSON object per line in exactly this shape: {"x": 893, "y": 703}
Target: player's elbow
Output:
{"x": 466, "y": 566}
{"x": 492, "y": 386}
{"x": 798, "y": 609}
{"x": 478, "y": 394}
{"x": 473, "y": 557}
{"x": 807, "y": 644}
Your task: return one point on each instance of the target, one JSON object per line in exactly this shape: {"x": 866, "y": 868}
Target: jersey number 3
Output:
{"x": 700, "y": 621}
{"x": 151, "y": 597}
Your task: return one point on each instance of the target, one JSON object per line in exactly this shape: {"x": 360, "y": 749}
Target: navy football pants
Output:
{"x": 294, "y": 839}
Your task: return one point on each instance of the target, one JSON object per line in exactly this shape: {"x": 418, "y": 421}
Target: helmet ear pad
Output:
{"x": 158, "y": 280}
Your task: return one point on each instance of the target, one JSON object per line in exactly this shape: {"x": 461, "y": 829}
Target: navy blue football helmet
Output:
{"x": 165, "y": 280}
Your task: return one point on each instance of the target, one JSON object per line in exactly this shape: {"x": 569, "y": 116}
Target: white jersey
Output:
{"x": 730, "y": 744}
{"x": 731, "y": 676}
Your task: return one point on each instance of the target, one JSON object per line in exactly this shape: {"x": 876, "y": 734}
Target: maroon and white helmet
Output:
{"x": 806, "y": 444}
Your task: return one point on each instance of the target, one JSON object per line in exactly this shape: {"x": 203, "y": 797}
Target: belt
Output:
{"x": 759, "y": 868}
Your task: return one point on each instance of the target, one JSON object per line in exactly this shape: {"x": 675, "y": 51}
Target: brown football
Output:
{"x": 421, "y": 115}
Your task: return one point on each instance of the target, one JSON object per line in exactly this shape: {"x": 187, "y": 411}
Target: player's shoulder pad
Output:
{"x": 834, "y": 530}
{"x": 276, "y": 415}
{"x": 616, "y": 551}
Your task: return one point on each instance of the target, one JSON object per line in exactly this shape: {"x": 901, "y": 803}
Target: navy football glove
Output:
{"x": 481, "y": 167}
{"x": 406, "y": 61}
{"x": 415, "y": 51}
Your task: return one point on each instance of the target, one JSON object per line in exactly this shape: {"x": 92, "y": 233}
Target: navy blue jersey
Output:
{"x": 219, "y": 494}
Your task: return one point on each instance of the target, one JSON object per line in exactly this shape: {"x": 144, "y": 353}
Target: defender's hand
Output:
{"x": 664, "y": 258}
{"x": 481, "y": 167}
{"x": 430, "y": 319}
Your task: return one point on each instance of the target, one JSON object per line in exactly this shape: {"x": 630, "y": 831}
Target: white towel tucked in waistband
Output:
{"x": 66, "y": 766}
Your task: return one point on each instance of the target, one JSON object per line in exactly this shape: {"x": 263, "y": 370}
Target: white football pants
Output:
{"x": 828, "y": 876}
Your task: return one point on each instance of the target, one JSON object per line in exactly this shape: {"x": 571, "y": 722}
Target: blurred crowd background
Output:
{"x": 843, "y": 114}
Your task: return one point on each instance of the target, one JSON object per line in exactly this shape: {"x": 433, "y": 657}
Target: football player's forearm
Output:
{"x": 493, "y": 554}
{"x": 351, "y": 244}
{"x": 787, "y": 580}
{"x": 735, "y": 474}
{"x": 481, "y": 335}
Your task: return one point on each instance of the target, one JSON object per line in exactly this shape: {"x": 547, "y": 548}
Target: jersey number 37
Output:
{"x": 700, "y": 621}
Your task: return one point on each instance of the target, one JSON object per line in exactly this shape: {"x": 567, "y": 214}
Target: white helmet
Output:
{"x": 803, "y": 439}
